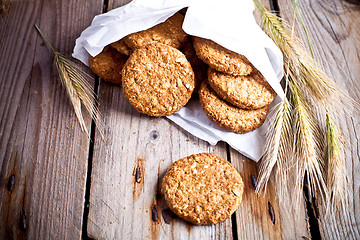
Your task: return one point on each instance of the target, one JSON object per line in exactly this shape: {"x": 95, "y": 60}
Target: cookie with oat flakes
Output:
{"x": 157, "y": 80}
{"x": 244, "y": 91}
{"x": 221, "y": 58}
{"x": 228, "y": 116}
{"x": 169, "y": 32}
{"x": 202, "y": 188}
{"x": 121, "y": 47}
{"x": 108, "y": 65}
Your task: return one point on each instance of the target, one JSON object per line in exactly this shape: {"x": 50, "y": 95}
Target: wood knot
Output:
{"x": 22, "y": 223}
{"x": 138, "y": 175}
{"x": 154, "y": 214}
{"x": 154, "y": 135}
{"x": 271, "y": 213}
{"x": 11, "y": 183}
{"x": 253, "y": 181}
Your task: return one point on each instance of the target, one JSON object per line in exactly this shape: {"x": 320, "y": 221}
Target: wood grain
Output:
{"x": 120, "y": 206}
{"x": 333, "y": 28}
{"x": 253, "y": 219}
{"x": 41, "y": 143}
{"x": 44, "y": 154}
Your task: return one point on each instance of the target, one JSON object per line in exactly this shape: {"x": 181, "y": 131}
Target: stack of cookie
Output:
{"x": 235, "y": 96}
{"x": 159, "y": 69}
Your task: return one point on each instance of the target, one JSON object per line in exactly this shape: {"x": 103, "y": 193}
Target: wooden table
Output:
{"x": 67, "y": 187}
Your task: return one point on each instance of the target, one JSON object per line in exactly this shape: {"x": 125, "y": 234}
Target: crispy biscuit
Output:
{"x": 169, "y": 32}
{"x": 121, "y": 47}
{"x": 248, "y": 92}
{"x": 221, "y": 58}
{"x": 158, "y": 80}
{"x": 202, "y": 188}
{"x": 228, "y": 116}
{"x": 199, "y": 67}
{"x": 108, "y": 65}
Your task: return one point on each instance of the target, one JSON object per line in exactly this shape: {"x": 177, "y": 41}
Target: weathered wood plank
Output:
{"x": 41, "y": 142}
{"x": 120, "y": 207}
{"x": 333, "y": 28}
{"x": 253, "y": 219}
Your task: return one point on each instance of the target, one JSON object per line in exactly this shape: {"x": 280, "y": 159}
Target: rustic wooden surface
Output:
{"x": 334, "y": 32}
{"x": 41, "y": 143}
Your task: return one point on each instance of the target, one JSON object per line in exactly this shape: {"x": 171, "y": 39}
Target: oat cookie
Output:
{"x": 228, "y": 116}
{"x": 158, "y": 80}
{"x": 248, "y": 92}
{"x": 169, "y": 32}
{"x": 121, "y": 47}
{"x": 202, "y": 188}
{"x": 108, "y": 65}
{"x": 199, "y": 67}
{"x": 221, "y": 58}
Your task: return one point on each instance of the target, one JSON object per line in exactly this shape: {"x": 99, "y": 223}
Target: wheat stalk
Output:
{"x": 308, "y": 154}
{"x": 76, "y": 82}
{"x": 311, "y": 94}
{"x": 278, "y": 148}
{"x": 337, "y": 180}
{"x": 304, "y": 135}
{"x": 313, "y": 81}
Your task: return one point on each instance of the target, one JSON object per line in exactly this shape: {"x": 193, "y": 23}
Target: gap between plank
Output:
{"x": 310, "y": 204}
{"x": 311, "y": 212}
{"x": 89, "y": 167}
{"x": 105, "y": 6}
{"x": 233, "y": 216}
{"x": 84, "y": 234}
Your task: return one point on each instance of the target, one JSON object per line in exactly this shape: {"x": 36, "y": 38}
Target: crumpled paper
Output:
{"x": 229, "y": 23}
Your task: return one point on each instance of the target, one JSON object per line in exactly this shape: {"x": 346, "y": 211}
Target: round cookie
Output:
{"x": 169, "y": 32}
{"x": 228, "y": 116}
{"x": 108, "y": 65}
{"x": 221, "y": 58}
{"x": 157, "y": 80}
{"x": 244, "y": 91}
{"x": 121, "y": 47}
{"x": 202, "y": 188}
